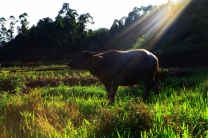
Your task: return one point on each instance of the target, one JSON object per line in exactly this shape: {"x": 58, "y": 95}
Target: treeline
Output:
{"x": 165, "y": 28}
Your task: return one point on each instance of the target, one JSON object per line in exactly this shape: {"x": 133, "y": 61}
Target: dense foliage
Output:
{"x": 165, "y": 28}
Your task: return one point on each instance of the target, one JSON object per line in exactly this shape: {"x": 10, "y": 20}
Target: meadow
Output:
{"x": 55, "y": 102}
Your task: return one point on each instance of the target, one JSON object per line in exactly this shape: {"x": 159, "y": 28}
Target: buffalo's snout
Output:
{"x": 69, "y": 64}
{"x": 72, "y": 64}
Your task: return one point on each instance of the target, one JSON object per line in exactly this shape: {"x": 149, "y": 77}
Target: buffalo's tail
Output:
{"x": 156, "y": 76}
{"x": 156, "y": 72}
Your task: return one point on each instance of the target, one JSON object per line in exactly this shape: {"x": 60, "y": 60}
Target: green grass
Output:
{"x": 181, "y": 110}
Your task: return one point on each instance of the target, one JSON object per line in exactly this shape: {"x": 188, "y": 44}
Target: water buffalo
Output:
{"x": 120, "y": 68}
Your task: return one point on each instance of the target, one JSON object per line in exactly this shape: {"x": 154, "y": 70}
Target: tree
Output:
{"x": 68, "y": 13}
{"x": 12, "y": 24}
{"x": 83, "y": 20}
{"x": 42, "y": 34}
{"x": 82, "y": 31}
{"x": 117, "y": 25}
{"x": 101, "y": 38}
{"x": 24, "y": 24}
{"x": 66, "y": 26}
{"x": 3, "y": 31}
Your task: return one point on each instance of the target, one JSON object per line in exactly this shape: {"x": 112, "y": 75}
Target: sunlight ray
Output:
{"x": 156, "y": 23}
{"x": 163, "y": 20}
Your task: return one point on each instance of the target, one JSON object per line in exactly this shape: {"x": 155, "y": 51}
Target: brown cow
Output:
{"x": 120, "y": 68}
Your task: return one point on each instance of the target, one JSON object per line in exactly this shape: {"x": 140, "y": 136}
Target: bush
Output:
{"x": 11, "y": 84}
{"x": 140, "y": 42}
{"x": 130, "y": 119}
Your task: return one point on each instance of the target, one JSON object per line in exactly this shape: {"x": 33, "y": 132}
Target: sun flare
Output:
{"x": 154, "y": 24}
{"x": 162, "y": 19}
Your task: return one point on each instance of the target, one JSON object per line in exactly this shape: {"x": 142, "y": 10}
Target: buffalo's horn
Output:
{"x": 93, "y": 53}
{"x": 89, "y": 53}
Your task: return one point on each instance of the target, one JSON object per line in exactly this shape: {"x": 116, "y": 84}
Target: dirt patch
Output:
{"x": 27, "y": 69}
{"x": 10, "y": 85}
{"x": 66, "y": 81}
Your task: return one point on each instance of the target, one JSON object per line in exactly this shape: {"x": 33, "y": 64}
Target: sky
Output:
{"x": 104, "y": 12}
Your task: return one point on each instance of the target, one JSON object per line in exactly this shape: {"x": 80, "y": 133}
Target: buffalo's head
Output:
{"x": 85, "y": 60}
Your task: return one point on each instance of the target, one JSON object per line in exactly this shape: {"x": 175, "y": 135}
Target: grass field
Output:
{"x": 59, "y": 103}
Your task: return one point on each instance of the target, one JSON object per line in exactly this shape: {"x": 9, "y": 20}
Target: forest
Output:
{"x": 173, "y": 31}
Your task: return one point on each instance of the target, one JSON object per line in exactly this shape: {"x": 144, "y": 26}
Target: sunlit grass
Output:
{"x": 181, "y": 110}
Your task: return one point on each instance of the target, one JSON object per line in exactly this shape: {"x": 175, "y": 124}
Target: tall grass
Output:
{"x": 181, "y": 110}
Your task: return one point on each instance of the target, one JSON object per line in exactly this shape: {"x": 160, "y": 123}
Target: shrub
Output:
{"x": 130, "y": 119}
{"x": 11, "y": 84}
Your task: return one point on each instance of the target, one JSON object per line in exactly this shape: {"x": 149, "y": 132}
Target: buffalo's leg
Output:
{"x": 111, "y": 90}
{"x": 155, "y": 88}
{"x": 148, "y": 87}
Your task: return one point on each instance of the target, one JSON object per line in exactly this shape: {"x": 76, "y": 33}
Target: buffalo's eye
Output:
{"x": 85, "y": 55}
